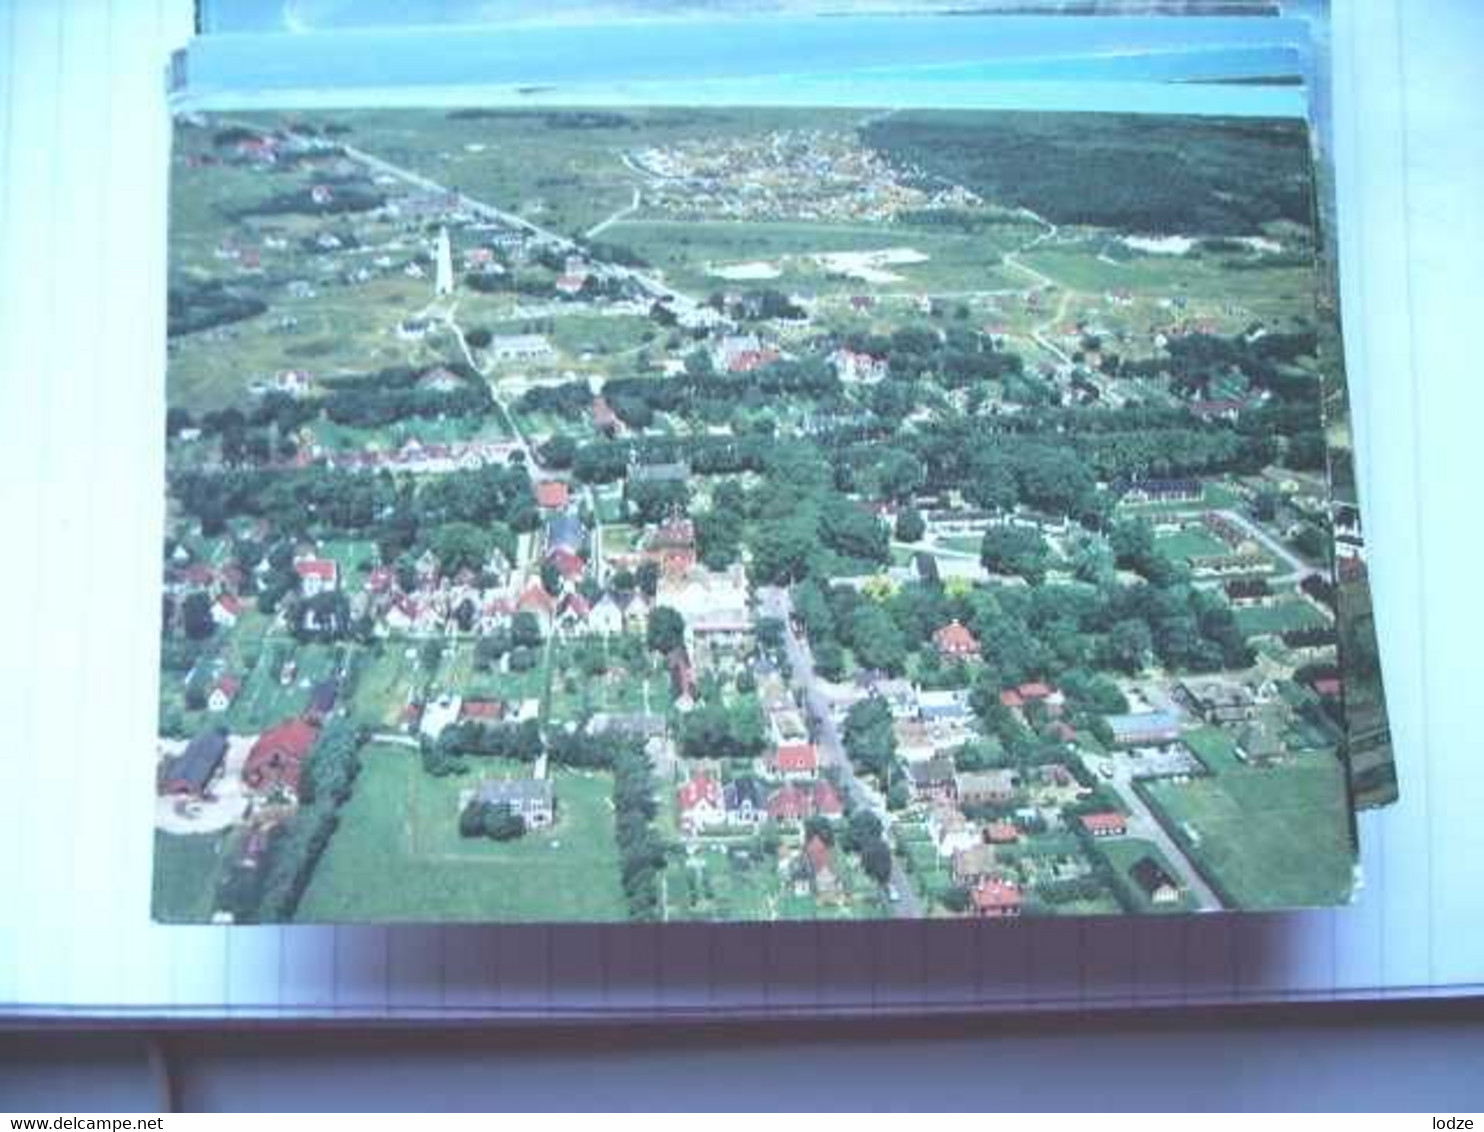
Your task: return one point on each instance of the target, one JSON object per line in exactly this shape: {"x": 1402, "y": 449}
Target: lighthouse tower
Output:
{"x": 443, "y": 280}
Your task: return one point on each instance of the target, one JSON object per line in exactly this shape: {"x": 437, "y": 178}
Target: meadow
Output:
{"x": 397, "y": 855}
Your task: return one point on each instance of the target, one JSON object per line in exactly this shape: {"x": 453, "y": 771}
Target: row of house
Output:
{"x": 704, "y": 803}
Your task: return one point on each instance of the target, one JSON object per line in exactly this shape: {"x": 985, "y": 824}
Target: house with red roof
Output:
{"x": 316, "y": 575}
{"x": 954, "y": 642}
{"x": 223, "y": 694}
{"x": 1001, "y": 833}
{"x": 794, "y": 760}
{"x": 568, "y": 564}
{"x": 789, "y": 803}
{"x": 226, "y": 609}
{"x": 572, "y": 613}
{"x": 1108, "y": 823}
{"x": 996, "y": 898}
{"x": 553, "y": 495}
{"x": 537, "y": 601}
{"x": 276, "y": 759}
{"x": 481, "y": 711}
{"x": 700, "y": 803}
{"x": 827, "y": 803}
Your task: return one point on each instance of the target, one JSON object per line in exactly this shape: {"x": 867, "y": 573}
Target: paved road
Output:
{"x": 653, "y": 286}
{"x": 1299, "y": 569}
{"x": 774, "y": 602}
{"x": 1143, "y": 824}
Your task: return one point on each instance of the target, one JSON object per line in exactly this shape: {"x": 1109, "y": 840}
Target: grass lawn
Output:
{"x": 264, "y": 700}
{"x": 1280, "y": 618}
{"x": 187, "y": 867}
{"x": 397, "y": 854}
{"x": 1193, "y": 543}
{"x": 1274, "y": 837}
{"x": 1215, "y": 747}
{"x": 384, "y": 684}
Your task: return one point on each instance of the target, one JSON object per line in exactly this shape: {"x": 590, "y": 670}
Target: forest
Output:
{"x": 1153, "y": 175}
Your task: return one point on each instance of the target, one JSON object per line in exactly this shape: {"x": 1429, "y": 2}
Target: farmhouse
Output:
{"x": 226, "y": 610}
{"x": 530, "y": 799}
{"x": 190, "y": 772}
{"x": 986, "y": 788}
{"x": 854, "y": 366}
{"x": 996, "y": 899}
{"x": 794, "y": 760}
{"x": 277, "y": 757}
{"x": 933, "y": 779}
{"x": 552, "y": 495}
{"x": 1107, "y": 823}
{"x": 1218, "y": 700}
{"x": 744, "y": 802}
{"x": 973, "y": 864}
{"x": 1144, "y": 729}
{"x": 520, "y": 348}
{"x": 223, "y": 694}
{"x": 316, "y": 575}
{"x": 700, "y": 802}
{"x": 1154, "y": 882}
{"x": 954, "y": 642}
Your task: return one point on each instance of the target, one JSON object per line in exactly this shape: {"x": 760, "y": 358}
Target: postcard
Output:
{"x": 590, "y": 514}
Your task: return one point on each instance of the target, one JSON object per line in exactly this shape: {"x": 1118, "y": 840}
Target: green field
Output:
{"x": 1280, "y": 618}
{"x": 689, "y": 251}
{"x": 1273, "y": 837}
{"x": 187, "y": 867}
{"x": 1215, "y": 747}
{"x": 264, "y": 700}
{"x": 1192, "y": 543}
{"x": 397, "y": 854}
{"x": 634, "y": 680}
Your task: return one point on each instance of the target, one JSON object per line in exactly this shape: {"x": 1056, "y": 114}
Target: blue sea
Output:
{"x": 1111, "y": 63}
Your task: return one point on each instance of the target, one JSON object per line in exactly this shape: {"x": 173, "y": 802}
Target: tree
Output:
{"x": 1130, "y": 644}
{"x": 1015, "y": 550}
{"x": 911, "y": 526}
{"x": 503, "y": 824}
{"x": 666, "y": 631}
{"x": 551, "y": 578}
{"x": 460, "y": 546}
{"x": 471, "y": 820}
{"x": 488, "y": 650}
{"x": 648, "y": 577}
{"x": 876, "y": 860}
{"x": 869, "y": 739}
{"x": 877, "y": 641}
{"x": 196, "y": 616}
{"x": 525, "y": 630}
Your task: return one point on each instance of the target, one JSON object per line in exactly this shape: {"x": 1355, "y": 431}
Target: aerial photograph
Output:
{"x": 594, "y": 514}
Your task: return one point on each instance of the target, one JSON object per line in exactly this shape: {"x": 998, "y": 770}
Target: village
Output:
{"x": 744, "y": 604}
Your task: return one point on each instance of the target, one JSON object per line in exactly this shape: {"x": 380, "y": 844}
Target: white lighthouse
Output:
{"x": 443, "y": 280}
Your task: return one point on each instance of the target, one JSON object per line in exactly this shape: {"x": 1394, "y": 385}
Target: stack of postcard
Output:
{"x": 702, "y": 464}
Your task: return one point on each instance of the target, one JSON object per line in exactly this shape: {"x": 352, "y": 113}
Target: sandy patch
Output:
{"x": 1162, "y": 245}
{"x": 870, "y": 267}
{"x": 1263, "y": 244}
{"x": 744, "y": 271}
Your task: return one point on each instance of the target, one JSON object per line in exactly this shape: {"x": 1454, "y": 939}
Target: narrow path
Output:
{"x": 602, "y": 225}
